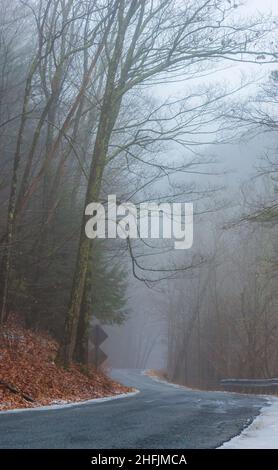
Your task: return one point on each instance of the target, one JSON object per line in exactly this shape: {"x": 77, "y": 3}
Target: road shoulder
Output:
{"x": 63, "y": 405}
{"x": 262, "y": 433}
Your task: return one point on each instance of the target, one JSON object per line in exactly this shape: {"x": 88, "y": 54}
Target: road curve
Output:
{"x": 160, "y": 416}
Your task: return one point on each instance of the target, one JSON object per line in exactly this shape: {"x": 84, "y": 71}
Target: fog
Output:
{"x": 168, "y": 103}
{"x": 236, "y": 164}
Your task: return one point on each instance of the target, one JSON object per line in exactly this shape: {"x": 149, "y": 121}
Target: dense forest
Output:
{"x": 125, "y": 97}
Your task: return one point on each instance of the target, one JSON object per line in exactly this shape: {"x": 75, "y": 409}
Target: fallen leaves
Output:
{"x": 27, "y": 369}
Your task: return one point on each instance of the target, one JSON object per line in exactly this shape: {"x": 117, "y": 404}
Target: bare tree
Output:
{"x": 150, "y": 40}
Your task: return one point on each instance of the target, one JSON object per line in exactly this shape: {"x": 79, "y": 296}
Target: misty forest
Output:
{"x": 154, "y": 101}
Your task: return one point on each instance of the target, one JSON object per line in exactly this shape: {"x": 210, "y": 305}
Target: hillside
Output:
{"x": 29, "y": 376}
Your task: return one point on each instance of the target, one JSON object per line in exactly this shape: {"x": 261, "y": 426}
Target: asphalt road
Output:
{"x": 160, "y": 416}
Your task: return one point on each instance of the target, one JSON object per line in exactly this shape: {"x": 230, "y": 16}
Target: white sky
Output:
{"x": 234, "y": 74}
{"x": 231, "y": 77}
{"x": 262, "y": 5}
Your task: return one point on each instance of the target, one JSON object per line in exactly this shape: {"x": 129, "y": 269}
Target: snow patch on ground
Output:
{"x": 61, "y": 404}
{"x": 262, "y": 432}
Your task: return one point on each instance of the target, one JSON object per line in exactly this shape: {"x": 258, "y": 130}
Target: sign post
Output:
{"x": 98, "y": 337}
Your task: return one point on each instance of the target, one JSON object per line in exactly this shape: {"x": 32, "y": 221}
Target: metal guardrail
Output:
{"x": 268, "y": 386}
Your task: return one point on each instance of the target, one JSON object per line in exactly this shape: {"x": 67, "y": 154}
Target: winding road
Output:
{"x": 161, "y": 416}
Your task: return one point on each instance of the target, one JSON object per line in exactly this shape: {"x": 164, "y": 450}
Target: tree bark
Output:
{"x": 109, "y": 113}
{"x": 9, "y": 237}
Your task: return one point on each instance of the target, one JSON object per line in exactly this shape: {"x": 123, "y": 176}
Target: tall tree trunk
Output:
{"x": 93, "y": 191}
{"x": 81, "y": 353}
{"x": 9, "y": 237}
{"x": 110, "y": 110}
{"x": 108, "y": 118}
